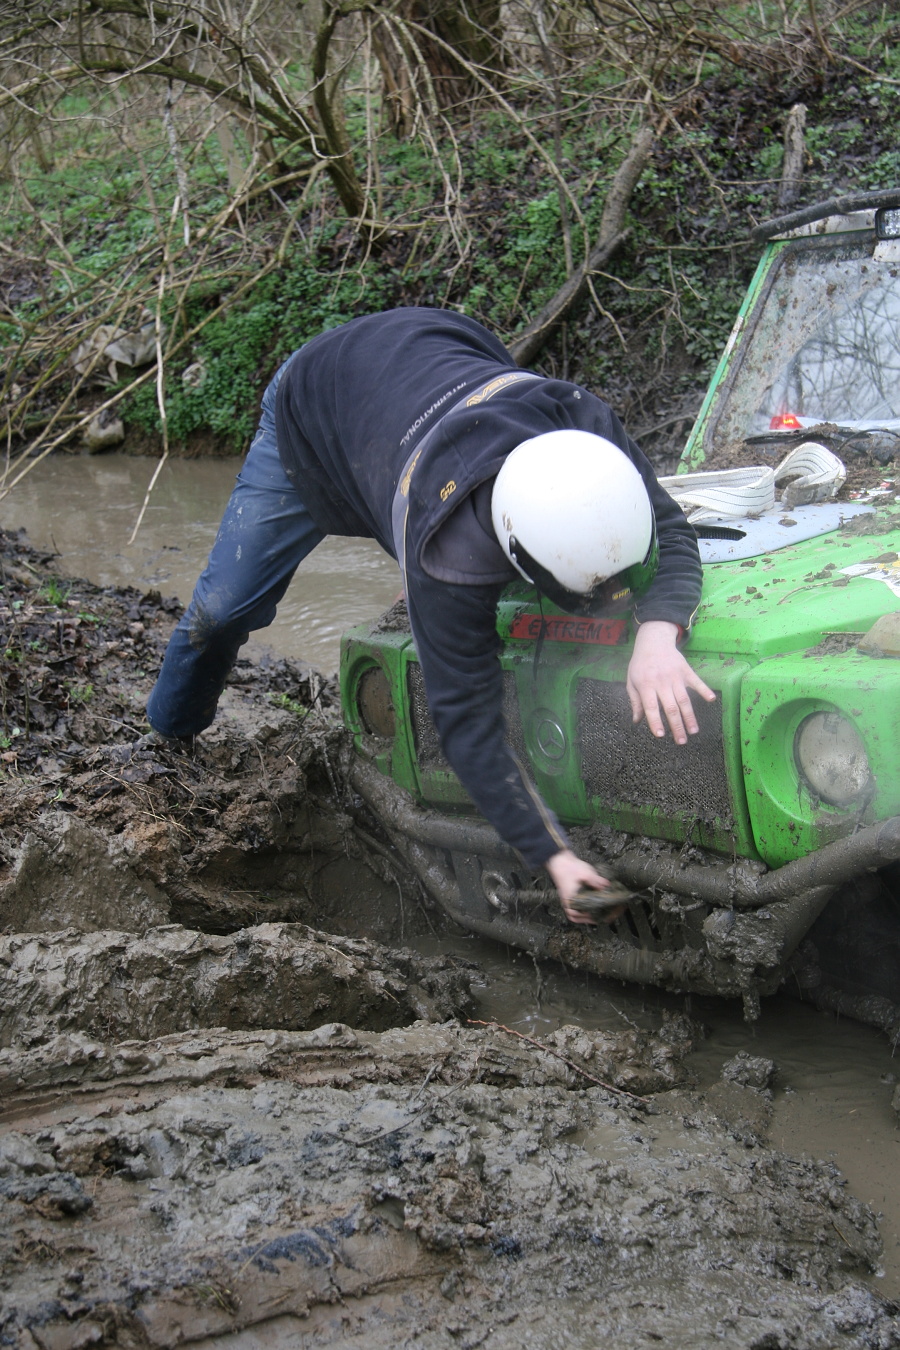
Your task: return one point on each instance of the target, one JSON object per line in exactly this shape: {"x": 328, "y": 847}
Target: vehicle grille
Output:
{"x": 428, "y": 748}
{"x": 623, "y": 764}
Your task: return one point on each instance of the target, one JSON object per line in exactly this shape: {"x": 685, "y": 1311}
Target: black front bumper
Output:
{"x": 717, "y": 927}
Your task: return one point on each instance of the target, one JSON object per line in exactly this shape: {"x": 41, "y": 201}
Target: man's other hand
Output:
{"x": 659, "y": 679}
{"x": 569, "y": 874}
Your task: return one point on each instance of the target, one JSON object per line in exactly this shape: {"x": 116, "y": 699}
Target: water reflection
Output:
{"x": 84, "y": 507}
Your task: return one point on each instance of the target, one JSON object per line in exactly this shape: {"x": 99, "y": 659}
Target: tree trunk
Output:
{"x": 424, "y": 49}
{"x": 325, "y": 100}
{"x": 794, "y": 155}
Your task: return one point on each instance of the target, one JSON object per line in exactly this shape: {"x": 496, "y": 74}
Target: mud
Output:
{"x": 222, "y": 1125}
{"x": 432, "y": 1186}
{"x": 277, "y": 976}
{"x": 99, "y": 830}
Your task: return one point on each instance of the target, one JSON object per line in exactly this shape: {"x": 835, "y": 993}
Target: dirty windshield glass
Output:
{"x": 825, "y": 346}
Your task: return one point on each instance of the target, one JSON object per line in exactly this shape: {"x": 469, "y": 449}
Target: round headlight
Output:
{"x": 832, "y": 758}
{"x": 374, "y": 703}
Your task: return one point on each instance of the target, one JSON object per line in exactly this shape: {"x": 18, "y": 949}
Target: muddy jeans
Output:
{"x": 266, "y": 532}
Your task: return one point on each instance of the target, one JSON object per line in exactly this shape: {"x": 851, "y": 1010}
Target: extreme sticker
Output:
{"x": 560, "y": 628}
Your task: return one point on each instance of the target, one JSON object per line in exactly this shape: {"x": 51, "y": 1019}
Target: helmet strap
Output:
{"x": 612, "y": 596}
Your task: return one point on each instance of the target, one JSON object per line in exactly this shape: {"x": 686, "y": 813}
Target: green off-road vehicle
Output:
{"x": 764, "y": 848}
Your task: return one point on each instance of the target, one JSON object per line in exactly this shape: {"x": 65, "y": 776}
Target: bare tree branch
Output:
{"x": 525, "y": 347}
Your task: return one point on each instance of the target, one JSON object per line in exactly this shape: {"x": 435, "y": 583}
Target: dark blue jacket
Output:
{"x": 353, "y": 408}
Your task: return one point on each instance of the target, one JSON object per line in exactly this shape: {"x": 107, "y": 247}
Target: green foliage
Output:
{"x": 532, "y": 257}
{"x": 231, "y": 352}
{"x": 883, "y": 172}
{"x": 288, "y": 704}
{"x": 770, "y": 159}
{"x": 495, "y": 250}
{"x": 54, "y": 592}
{"x": 493, "y": 162}
{"x": 79, "y": 693}
{"x": 240, "y": 349}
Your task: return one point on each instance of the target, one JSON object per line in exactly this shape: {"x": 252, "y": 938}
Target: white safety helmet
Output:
{"x": 572, "y": 514}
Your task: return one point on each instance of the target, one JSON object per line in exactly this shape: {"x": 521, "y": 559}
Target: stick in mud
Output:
{"x": 498, "y": 1026}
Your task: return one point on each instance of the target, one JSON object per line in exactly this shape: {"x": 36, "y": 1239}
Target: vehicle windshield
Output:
{"x": 825, "y": 346}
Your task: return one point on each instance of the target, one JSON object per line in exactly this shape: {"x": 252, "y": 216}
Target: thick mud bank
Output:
{"x": 236, "y": 1111}
{"x": 100, "y": 831}
{"x": 431, "y": 1185}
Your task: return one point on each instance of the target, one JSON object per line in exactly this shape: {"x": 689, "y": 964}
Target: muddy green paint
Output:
{"x": 754, "y": 642}
{"x": 694, "y": 452}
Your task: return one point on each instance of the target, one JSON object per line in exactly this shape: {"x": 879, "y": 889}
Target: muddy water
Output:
{"x": 835, "y": 1079}
{"x": 85, "y": 507}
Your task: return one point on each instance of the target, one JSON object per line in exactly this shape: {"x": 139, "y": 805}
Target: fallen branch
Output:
{"x": 524, "y": 348}
{"x": 498, "y": 1026}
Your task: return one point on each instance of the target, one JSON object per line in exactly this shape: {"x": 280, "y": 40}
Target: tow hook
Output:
{"x": 503, "y": 896}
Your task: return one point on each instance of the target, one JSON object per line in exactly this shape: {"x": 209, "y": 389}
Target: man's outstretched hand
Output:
{"x": 659, "y": 679}
{"x": 570, "y": 874}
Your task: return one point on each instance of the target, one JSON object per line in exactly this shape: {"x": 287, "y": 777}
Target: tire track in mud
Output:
{"x": 428, "y": 1185}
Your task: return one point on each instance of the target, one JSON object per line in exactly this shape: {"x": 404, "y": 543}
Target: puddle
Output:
{"x": 85, "y": 507}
